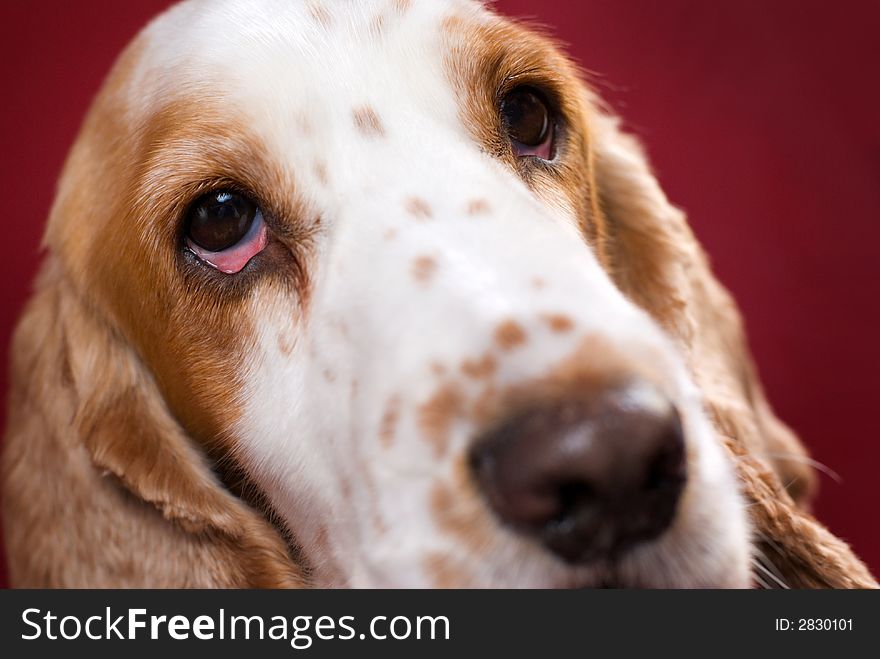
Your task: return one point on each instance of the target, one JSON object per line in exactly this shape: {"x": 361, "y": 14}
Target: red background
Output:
{"x": 763, "y": 121}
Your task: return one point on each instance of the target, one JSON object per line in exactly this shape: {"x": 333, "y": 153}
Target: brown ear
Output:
{"x": 101, "y": 485}
{"x": 656, "y": 261}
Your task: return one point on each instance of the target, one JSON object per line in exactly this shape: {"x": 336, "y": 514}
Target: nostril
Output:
{"x": 587, "y": 478}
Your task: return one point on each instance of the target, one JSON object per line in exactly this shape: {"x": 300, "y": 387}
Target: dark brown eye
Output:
{"x": 225, "y": 230}
{"x": 220, "y": 220}
{"x": 528, "y": 122}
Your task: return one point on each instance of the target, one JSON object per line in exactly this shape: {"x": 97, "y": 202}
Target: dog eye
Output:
{"x": 225, "y": 230}
{"x": 528, "y": 122}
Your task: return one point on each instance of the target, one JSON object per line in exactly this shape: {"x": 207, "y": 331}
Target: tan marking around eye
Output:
{"x": 368, "y": 122}
{"x": 418, "y": 208}
{"x": 509, "y": 335}
{"x": 437, "y": 414}
{"x": 388, "y": 424}
{"x": 479, "y": 368}
{"x": 558, "y": 322}
{"x": 423, "y": 268}
{"x": 478, "y": 207}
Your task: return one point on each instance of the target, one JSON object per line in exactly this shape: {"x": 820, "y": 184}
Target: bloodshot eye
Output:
{"x": 225, "y": 230}
{"x": 529, "y": 123}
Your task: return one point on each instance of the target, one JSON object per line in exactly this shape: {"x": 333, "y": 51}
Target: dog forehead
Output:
{"x": 322, "y": 58}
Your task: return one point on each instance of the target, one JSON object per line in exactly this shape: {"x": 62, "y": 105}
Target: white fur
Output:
{"x": 309, "y": 438}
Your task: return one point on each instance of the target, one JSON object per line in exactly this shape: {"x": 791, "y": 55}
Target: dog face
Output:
{"x": 366, "y": 252}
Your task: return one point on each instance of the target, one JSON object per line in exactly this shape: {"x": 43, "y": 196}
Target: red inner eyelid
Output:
{"x": 234, "y": 259}
{"x": 544, "y": 150}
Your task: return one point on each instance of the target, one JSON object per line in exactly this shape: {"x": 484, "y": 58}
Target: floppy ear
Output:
{"x": 102, "y": 487}
{"x": 656, "y": 261}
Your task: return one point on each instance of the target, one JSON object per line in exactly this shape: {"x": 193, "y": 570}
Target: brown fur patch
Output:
{"x": 510, "y": 335}
{"x": 480, "y": 368}
{"x": 418, "y": 208}
{"x": 388, "y": 424}
{"x": 435, "y": 417}
{"x": 367, "y": 121}
{"x": 423, "y": 269}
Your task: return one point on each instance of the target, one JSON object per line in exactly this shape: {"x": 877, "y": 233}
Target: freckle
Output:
{"x": 355, "y": 387}
{"x": 479, "y": 368}
{"x": 423, "y": 269}
{"x": 437, "y": 368}
{"x": 437, "y": 414}
{"x": 321, "y": 172}
{"x": 538, "y": 283}
{"x": 390, "y": 233}
{"x": 402, "y": 5}
{"x": 320, "y": 14}
{"x": 378, "y": 25}
{"x": 558, "y": 322}
{"x": 389, "y": 421}
{"x": 368, "y": 122}
{"x": 285, "y": 344}
{"x": 509, "y": 335}
{"x": 329, "y": 375}
{"x": 478, "y": 207}
{"x": 418, "y": 208}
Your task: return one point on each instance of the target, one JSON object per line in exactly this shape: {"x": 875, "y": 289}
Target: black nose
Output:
{"x": 587, "y": 478}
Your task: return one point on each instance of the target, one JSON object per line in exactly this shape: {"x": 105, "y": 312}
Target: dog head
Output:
{"x": 393, "y": 265}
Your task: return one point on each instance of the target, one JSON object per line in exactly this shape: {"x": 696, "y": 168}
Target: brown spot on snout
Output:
{"x": 418, "y": 208}
{"x": 509, "y": 335}
{"x": 368, "y": 122}
{"x": 558, "y": 322}
{"x": 458, "y": 511}
{"x": 388, "y": 424}
{"x": 478, "y": 207}
{"x": 423, "y": 269}
{"x": 479, "y": 368}
{"x": 437, "y": 414}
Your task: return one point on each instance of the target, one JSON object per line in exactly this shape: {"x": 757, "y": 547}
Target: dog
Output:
{"x": 378, "y": 294}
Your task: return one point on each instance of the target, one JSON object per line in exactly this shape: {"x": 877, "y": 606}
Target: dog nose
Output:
{"x": 586, "y": 478}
